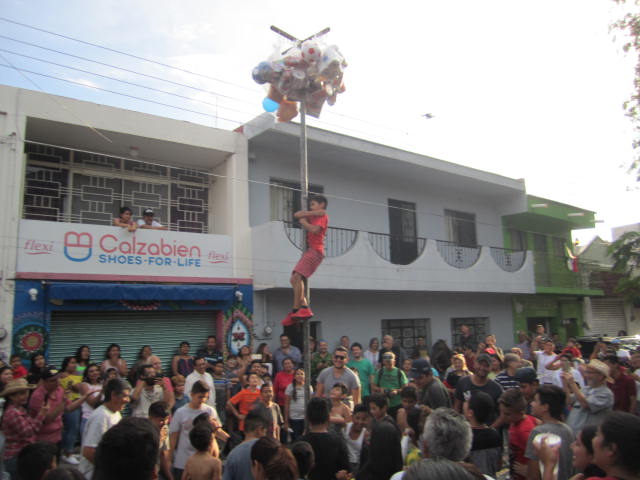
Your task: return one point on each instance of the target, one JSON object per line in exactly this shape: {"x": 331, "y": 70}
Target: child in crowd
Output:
{"x": 124, "y": 219}
{"x": 230, "y": 370}
{"x": 202, "y": 465}
{"x": 512, "y": 408}
{"x": 354, "y": 434}
{"x": 240, "y": 404}
{"x": 223, "y": 388}
{"x": 486, "y": 443}
{"x": 340, "y": 414}
{"x": 315, "y": 221}
{"x": 305, "y": 458}
{"x": 110, "y": 374}
{"x": 378, "y": 405}
{"x": 408, "y": 418}
{"x": 294, "y": 405}
{"x": 178, "y": 382}
{"x": 266, "y": 397}
{"x": 19, "y": 370}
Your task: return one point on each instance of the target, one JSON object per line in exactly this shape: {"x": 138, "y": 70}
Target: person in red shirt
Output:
{"x": 19, "y": 370}
{"x": 242, "y": 402}
{"x": 623, "y": 386}
{"x": 283, "y": 379}
{"x": 572, "y": 348}
{"x": 315, "y": 221}
{"x": 512, "y": 408}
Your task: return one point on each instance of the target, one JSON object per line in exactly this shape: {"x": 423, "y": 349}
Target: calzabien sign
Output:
{"x": 71, "y": 250}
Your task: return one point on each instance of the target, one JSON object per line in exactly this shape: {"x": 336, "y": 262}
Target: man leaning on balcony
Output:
{"x": 147, "y": 221}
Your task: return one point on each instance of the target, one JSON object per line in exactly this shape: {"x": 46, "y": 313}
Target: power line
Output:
{"x": 124, "y": 53}
{"x": 124, "y": 81}
{"x": 122, "y": 94}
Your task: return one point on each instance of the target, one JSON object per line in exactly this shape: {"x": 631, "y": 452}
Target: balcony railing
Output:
{"x": 397, "y": 249}
{"x": 458, "y": 256}
{"x": 337, "y": 242}
{"x": 558, "y": 271}
{"x": 507, "y": 259}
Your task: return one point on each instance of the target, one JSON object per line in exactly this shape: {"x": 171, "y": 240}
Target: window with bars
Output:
{"x": 79, "y": 187}
{"x": 478, "y": 328}
{"x": 406, "y": 331}
{"x": 462, "y": 227}
{"x": 284, "y": 198}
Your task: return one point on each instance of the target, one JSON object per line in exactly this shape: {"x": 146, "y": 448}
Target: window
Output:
{"x": 285, "y": 198}
{"x": 403, "y": 241}
{"x": 407, "y": 331}
{"x": 539, "y": 242}
{"x": 519, "y": 240}
{"x": 478, "y": 327}
{"x": 558, "y": 247}
{"x": 462, "y": 227}
{"x": 78, "y": 187}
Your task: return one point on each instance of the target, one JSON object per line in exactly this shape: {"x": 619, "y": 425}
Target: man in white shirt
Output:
{"x": 200, "y": 374}
{"x": 116, "y": 396}
{"x": 148, "y": 222}
{"x": 543, "y": 358}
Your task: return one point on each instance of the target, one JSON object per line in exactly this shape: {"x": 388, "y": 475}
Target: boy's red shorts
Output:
{"x": 309, "y": 262}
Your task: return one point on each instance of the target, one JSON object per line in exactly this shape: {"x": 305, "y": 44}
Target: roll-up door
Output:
{"x": 131, "y": 330}
{"x": 607, "y": 317}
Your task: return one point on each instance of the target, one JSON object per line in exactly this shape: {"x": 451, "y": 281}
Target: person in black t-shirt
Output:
{"x": 330, "y": 450}
{"x": 485, "y": 446}
{"x": 479, "y": 381}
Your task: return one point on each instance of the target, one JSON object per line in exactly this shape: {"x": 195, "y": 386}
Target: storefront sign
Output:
{"x": 71, "y": 250}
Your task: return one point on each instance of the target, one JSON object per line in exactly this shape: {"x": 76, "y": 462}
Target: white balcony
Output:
{"x": 358, "y": 260}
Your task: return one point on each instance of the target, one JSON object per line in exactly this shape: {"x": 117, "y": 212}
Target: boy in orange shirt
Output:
{"x": 315, "y": 221}
{"x": 244, "y": 400}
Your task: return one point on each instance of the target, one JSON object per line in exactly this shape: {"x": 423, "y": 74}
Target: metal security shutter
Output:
{"x": 607, "y": 316}
{"x": 131, "y": 330}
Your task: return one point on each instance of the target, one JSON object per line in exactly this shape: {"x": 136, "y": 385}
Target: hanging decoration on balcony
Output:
{"x": 309, "y": 71}
{"x": 238, "y": 328}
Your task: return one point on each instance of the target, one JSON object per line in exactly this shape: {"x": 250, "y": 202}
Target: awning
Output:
{"x": 122, "y": 291}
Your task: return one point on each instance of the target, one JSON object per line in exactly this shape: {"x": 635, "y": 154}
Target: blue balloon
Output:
{"x": 270, "y": 105}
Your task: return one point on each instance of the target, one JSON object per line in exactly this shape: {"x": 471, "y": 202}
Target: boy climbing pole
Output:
{"x": 315, "y": 222}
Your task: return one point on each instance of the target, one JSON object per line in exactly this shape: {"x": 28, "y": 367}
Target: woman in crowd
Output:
{"x": 493, "y": 349}
{"x": 83, "y": 358}
{"x": 91, "y": 386}
{"x": 6, "y": 375}
{"x": 294, "y": 406}
{"x": 70, "y": 381}
{"x": 178, "y": 382}
{"x": 385, "y": 453}
{"x": 244, "y": 359}
{"x": 112, "y": 359}
{"x": 20, "y": 429}
{"x": 373, "y": 352}
{"x": 270, "y": 460}
{"x": 583, "y": 460}
{"x": 616, "y": 446}
{"x": 35, "y": 371}
{"x": 142, "y": 359}
{"x": 457, "y": 370}
{"x": 266, "y": 356}
{"x": 182, "y": 363}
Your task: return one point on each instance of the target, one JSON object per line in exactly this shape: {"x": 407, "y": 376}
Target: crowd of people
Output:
{"x": 539, "y": 411}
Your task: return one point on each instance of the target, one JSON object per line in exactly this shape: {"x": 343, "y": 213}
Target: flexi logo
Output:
{"x": 78, "y": 246}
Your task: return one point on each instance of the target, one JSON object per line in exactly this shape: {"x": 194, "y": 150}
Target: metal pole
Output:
{"x": 304, "y": 194}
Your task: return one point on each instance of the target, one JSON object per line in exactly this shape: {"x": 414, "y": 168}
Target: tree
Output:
{"x": 629, "y": 25}
{"x": 626, "y": 254}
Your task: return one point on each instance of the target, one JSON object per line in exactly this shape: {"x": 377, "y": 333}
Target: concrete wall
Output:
{"x": 368, "y": 194}
{"x": 359, "y": 314}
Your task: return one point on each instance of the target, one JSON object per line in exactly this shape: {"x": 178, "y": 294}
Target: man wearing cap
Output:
{"x": 594, "y": 401}
{"x": 479, "y": 381}
{"x": 52, "y": 394}
{"x": 527, "y": 378}
{"x": 432, "y": 393}
{"x": 148, "y": 222}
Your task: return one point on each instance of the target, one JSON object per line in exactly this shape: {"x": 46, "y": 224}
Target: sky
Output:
{"x": 523, "y": 89}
